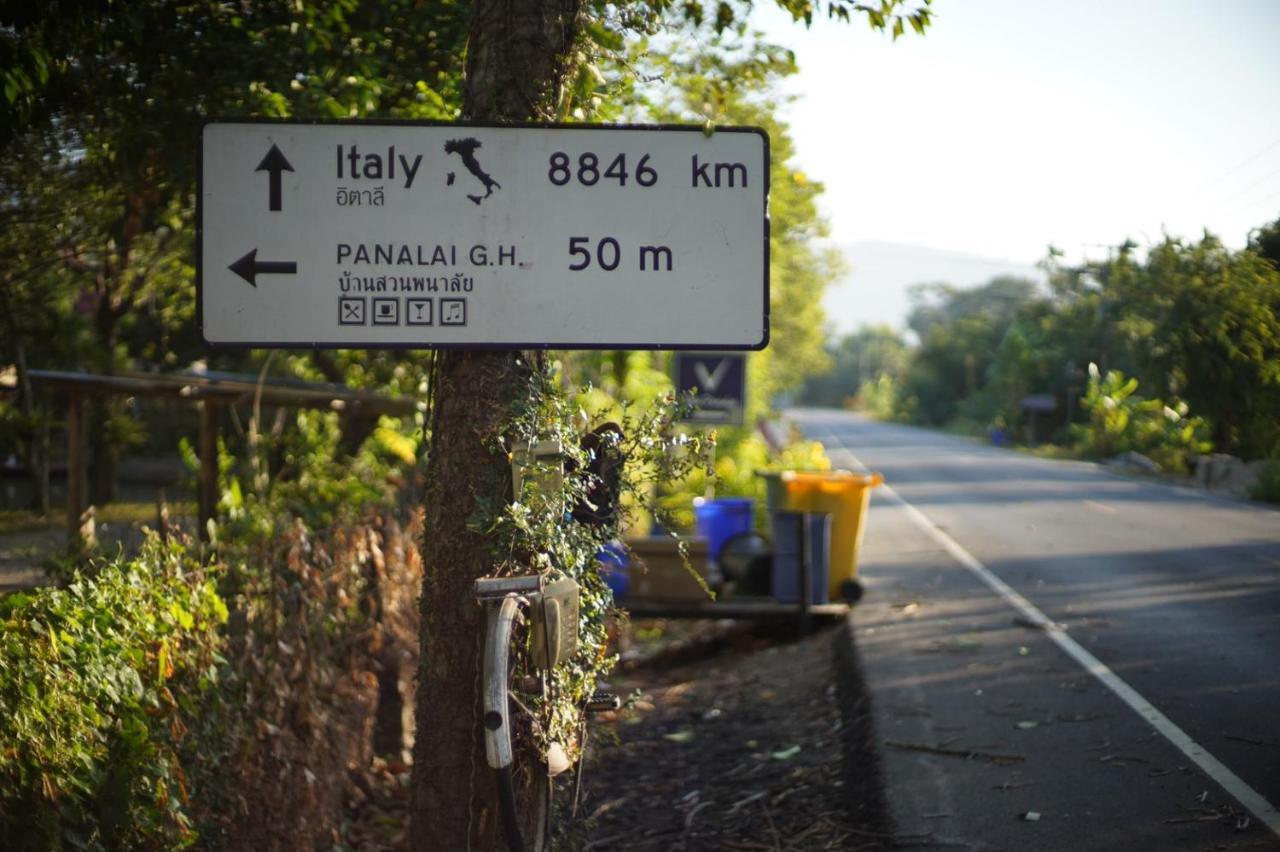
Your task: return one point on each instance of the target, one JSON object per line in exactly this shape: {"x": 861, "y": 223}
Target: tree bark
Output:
{"x": 454, "y": 798}
{"x": 518, "y": 55}
{"x": 517, "y": 58}
{"x": 36, "y": 446}
{"x": 104, "y": 456}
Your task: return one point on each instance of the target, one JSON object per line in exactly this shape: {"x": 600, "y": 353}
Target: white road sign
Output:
{"x": 370, "y": 235}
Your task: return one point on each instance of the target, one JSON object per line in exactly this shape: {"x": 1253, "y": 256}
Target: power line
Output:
{"x": 1249, "y": 205}
{"x": 1250, "y": 188}
{"x": 1239, "y": 166}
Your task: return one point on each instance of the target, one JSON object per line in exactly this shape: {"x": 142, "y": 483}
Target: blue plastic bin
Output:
{"x": 718, "y": 520}
{"x": 787, "y": 532}
{"x": 615, "y": 568}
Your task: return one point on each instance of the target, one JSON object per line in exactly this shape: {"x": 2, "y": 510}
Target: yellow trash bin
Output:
{"x": 843, "y": 495}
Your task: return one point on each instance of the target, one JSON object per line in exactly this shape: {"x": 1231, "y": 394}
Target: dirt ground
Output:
{"x": 746, "y": 749}
{"x": 736, "y": 739}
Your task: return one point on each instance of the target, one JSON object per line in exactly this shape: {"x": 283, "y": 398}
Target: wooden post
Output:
{"x": 806, "y": 578}
{"x": 80, "y": 527}
{"x": 162, "y": 515}
{"x": 40, "y": 464}
{"x": 208, "y": 452}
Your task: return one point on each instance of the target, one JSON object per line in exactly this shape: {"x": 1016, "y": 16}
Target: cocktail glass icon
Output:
{"x": 419, "y": 311}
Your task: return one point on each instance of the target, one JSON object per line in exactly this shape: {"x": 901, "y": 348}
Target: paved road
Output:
{"x": 1176, "y": 592}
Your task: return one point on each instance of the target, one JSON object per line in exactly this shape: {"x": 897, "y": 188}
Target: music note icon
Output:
{"x": 453, "y": 311}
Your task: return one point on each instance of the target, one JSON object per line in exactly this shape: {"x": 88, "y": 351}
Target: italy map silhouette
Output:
{"x": 466, "y": 149}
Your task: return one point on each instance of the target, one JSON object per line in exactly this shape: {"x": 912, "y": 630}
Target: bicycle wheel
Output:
{"x": 524, "y": 787}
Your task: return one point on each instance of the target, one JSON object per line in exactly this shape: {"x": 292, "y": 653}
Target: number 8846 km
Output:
{"x": 562, "y": 170}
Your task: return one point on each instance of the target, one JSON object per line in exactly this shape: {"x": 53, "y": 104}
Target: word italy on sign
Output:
{"x": 410, "y": 235}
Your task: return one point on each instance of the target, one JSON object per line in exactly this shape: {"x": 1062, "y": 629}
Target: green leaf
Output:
{"x": 605, "y": 37}
{"x": 181, "y": 615}
{"x": 724, "y": 16}
{"x": 164, "y": 666}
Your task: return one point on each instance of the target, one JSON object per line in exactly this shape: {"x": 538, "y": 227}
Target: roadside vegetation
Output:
{"x": 182, "y": 691}
{"x": 219, "y": 692}
{"x": 1167, "y": 353}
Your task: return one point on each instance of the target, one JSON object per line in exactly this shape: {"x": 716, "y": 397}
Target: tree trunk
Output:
{"x": 517, "y": 57}
{"x": 104, "y": 457}
{"x": 454, "y": 797}
{"x": 36, "y": 446}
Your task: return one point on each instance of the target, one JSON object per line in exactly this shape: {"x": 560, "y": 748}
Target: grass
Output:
{"x": 124, "y": 512}
{"x": 1050, "y": 451}
{"x": 965, "y": 428}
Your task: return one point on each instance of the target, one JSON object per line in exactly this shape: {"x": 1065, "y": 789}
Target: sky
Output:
{"x": 1016, "y": 124}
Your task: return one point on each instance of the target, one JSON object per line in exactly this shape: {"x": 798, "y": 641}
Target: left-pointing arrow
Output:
{"x": 249, "y": 267}
{"x": 274, "y": 163}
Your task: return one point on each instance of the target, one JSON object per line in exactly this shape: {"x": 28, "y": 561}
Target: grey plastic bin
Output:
{"x": 787, "y": 556}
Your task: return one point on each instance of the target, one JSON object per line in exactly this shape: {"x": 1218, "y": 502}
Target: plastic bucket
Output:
{"x": 717, "y": 520}
{"x": 788, "y": 561}
{"x": 844, "y": 496}
{"x": 615, "y": 569}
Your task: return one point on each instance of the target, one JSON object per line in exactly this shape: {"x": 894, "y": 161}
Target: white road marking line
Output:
{"x": 1265, "y": 812}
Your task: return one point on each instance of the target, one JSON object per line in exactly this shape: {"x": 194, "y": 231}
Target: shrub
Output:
{"x": 99, "y": 683}
{"x": 1122, "y": 421}
{"x": 1267, "y": 488}
{"x": 135, "y": 711}
{"x": 880, "y": 398}
{"x": 320, "y": 619}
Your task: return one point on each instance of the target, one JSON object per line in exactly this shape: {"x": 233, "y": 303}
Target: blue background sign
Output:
{"x": 720, "y": 379}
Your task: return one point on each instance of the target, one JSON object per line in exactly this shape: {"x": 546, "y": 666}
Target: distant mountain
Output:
{"x": 875, "y": 289}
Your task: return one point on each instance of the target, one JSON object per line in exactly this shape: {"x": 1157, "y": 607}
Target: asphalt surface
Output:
{"x": 993, "y": 737}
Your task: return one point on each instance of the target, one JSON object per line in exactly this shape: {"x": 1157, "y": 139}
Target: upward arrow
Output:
{"x": 249, "y": 267}
{"x": 274, "y": 163}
